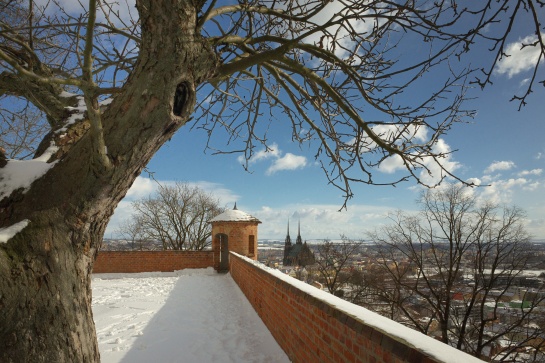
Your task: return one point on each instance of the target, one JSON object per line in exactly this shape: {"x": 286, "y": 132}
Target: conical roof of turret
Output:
{"x": 234, "y": 215}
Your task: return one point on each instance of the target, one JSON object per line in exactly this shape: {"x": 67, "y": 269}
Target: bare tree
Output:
{"x": 116, "y": 84}
{"x": 178, "y": 216}
{"x": 452, "y": 268}
{"x": 131, "y": 229}
{"x": 366, "y": 287}
{"x": 333, "y": 262}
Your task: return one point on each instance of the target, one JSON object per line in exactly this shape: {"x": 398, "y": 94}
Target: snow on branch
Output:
{"x": 21, "y": 173}
{"x": 77, "y": 114}
{"x": 9, "y": 232}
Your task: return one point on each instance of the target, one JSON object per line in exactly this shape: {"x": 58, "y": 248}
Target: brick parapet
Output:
{"x": 151, "y": 261}
{"x": 310, "y": 329}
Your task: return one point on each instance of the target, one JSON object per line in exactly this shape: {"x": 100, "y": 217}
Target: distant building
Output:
{"x": 298, "y": 254}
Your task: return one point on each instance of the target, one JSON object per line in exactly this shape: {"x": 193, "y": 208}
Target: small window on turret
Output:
{"x": 251, "y": 245}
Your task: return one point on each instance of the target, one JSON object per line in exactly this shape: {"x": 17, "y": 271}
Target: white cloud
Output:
{"x": 499, "y": 165}
{"x": 501, "y": 191}
{"x": 272, "y": 152}
{"x": 122, "y": 213}
{"x": 532, "y": 186}
{"x": 408, "y": 133}
{"x": 519, "y": 60}
{"x": 280, "y": 161}
{"x": 505, "y": 191}
{"x": 225, "y": 195}
{"x": 540, "y": 156}
{"x": 530, "y": 172}
{"x": 510, "y": 183}
{"x": 391, "y": 164}
{"x": 319, "y": 221}
{"x": 475, "y": 181}
{"x": 333, "y": 10}
{"x": 142, "y": 187}
{"x": 436, "y": 171}
{"x": 287, "y": 162}
{"x": 536, "y": 220}
{"x": 411, "y": 134}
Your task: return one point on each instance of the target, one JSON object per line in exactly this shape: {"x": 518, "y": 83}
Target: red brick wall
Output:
{"x": 310, "y": 330}
{"x": 150, "y": 261}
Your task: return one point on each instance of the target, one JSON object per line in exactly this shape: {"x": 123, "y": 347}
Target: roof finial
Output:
{"x": 235, "y": 207}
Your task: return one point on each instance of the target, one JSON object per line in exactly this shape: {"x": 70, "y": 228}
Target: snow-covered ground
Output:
{"x": 190, "y": 316}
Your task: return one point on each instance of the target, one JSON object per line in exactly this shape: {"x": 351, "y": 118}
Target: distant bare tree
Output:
{"x": 452, "y": 268}
{"x": 178, "y": 216}
{"x": 357, "y": 288}
{"x": 132, "y": 230}
{"x": 333, "y": 263}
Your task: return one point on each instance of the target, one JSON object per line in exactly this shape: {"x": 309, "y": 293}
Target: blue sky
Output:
{"x": 501, "y": 147}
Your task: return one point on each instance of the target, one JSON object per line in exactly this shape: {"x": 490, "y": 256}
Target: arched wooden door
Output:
{"x": 224, "y": 252}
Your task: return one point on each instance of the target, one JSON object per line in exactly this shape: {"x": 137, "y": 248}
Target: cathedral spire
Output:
{"x": 299, "y": 239}
{"x": 288, "y": 227}
{"x": 288, "y": 238}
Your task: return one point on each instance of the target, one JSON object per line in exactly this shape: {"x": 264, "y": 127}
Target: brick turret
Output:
{"x": 233, "y": 230}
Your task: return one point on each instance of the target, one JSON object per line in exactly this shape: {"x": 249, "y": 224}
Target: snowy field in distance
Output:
{"x": 189, "y": 316}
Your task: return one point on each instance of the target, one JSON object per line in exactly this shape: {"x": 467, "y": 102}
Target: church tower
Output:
{"x": 298, "y": 254}
{"x": 287, "y": 245}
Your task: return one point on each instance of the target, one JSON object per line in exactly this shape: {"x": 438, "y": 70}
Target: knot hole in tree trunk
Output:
{"x": 181, "y": 98}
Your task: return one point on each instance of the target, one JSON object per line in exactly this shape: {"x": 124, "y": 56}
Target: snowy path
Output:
{"x": 190, "y": 316}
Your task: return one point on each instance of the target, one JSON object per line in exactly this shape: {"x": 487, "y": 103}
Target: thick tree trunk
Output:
{"x": 45, "y": 302}
{"x": 45, "y": 293}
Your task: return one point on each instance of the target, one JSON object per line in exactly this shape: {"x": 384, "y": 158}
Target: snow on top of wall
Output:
{"x": 21, "y": 173}
{"x": 423, "y": 343}
{"x": 9, "y": 232}
{"x": 234, "y": 215}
